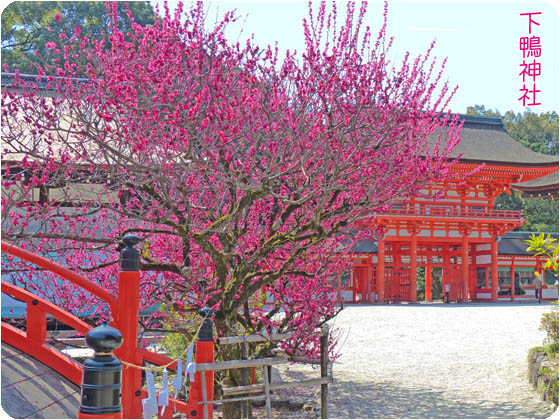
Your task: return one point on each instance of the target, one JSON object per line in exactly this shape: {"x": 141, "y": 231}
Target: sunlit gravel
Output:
{"x": 432, "y": 361}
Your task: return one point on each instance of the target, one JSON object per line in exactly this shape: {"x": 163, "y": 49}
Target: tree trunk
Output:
{"x": 231, "y": 377}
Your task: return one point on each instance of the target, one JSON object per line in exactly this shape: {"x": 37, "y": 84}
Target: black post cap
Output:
{"x": 104, "y": 338}
{"x": 206, "y": 312}
{"x": 102, "y": 374}
{"x": 206, "y": 332}
{"x": 130, "y": 257}
{"x": 131, "y": 240}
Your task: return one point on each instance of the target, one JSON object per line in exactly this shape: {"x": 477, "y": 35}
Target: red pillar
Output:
{"x": 472, "y": 272}
{"x": 413, "y": 265}
{"x": 354, "y": 283}
{"x": 445, "y": 268}
{"x": 428, "y": 282}
{"x": 126, "y": 320}
{"x": 368, "y": 280}
{"x": 339, "y": 290}
{"x": 380, "y": 268}
{"x": 204, "y": 353}
{"x": 494, "y": 252}
{"x": 394, "y": 287}
{"x": 512, "y": 279}
{"x": 465, "y": 267}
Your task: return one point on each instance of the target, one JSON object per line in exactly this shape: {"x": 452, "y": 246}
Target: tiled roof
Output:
{"x": 484, "y": 139}
{"x": 549, "y": 180}
{"x": 545, "y": 186}
{"x": 8, "y": 80}
{"x": 365, "y": 246}
{"x": 513, "y": 243}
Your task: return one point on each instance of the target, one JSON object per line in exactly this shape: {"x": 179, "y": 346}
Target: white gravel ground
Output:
{"x": 434, "y": 361}
{"x": 437, "y": 361}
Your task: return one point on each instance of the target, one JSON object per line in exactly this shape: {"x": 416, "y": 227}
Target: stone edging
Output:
{"x": 543, "y": 375}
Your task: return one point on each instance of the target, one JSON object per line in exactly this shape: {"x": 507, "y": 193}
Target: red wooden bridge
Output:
{"x": 26, "y": 352}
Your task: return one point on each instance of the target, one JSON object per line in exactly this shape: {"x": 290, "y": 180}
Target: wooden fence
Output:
{"x": 246, "y": 392}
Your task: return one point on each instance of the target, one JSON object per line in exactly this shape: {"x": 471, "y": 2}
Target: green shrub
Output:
{"x": 549, "y": 324}
{"x": 547, "y": 383}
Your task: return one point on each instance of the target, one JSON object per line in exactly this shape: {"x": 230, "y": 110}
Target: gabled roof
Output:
{"x": 365, "y": 246}
{"x": 546, "y": 186}
{"x": 42, "y": 82}
{"x": 513, "y": 243}
{"x": 485, "y": 139}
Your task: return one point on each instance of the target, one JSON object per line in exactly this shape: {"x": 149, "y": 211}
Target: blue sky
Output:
{"x": 480, "y": 39}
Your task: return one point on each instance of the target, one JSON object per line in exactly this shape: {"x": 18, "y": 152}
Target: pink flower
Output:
{"x": 57, "y": 17}
{"x": 237, "y": 128}
{"x": 62, "y": 36}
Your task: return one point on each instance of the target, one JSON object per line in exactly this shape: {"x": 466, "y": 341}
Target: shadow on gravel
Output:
{"x": 387, "y": 400}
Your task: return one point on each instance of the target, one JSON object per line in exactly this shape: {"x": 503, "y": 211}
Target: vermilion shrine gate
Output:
{"x": 458, "y": 234}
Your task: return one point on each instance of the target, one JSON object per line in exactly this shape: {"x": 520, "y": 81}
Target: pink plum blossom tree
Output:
{"x": 241, "y": 171}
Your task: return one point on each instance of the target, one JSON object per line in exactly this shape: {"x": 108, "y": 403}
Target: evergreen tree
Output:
{"x": 28, "y": 25}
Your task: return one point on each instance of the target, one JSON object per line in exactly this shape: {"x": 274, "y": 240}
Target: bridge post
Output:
{"x": 101, "y": 378}
{"x": 204, "y": 354}
{"x": 126, "y": 319}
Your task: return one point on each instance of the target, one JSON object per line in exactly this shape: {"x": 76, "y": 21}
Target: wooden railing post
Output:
{"x": 102, "y": 376}
{"x": 126, "y": 320}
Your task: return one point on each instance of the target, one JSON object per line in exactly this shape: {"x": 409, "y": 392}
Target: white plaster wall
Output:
{"x": 550, "y": 293}
{"x": 346, "y": 295}
{"x": 483, "y": 259}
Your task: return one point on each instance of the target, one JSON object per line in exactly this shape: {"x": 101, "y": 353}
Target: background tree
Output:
{"x": 27, "y": 26}
{"x": 241, "y": 173}
{"x": 538, "y": 132}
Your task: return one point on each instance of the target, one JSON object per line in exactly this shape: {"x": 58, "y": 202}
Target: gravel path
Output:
{"x": 434, "y": 361}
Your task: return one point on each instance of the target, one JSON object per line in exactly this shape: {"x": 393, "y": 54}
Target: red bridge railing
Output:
{"x": 124, "y": 310}
{"x": 33, "y": 340}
